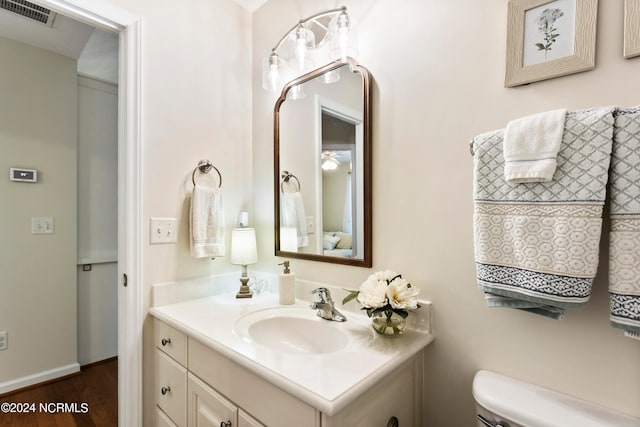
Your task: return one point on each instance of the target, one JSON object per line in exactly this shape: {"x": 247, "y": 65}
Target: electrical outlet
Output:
{"x": 4, "y": 340}
{"x": 163, "y": 230}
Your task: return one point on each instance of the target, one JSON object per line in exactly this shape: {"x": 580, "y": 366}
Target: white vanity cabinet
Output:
{"x": 218, "y": 391}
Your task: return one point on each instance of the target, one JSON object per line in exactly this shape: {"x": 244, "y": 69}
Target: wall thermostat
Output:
{"x": 23, "y": 175}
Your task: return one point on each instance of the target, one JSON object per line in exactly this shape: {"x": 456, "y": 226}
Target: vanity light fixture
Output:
{"x": 329, "y": 35}
{"x": 244, "y": 252}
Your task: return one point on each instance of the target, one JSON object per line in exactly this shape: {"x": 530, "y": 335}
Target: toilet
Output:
{"x": 506, "y": 402}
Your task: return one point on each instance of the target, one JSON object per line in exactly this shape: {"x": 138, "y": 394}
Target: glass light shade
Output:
{"x": 244, "y": 250}
{"x": 330, "y": 164}
{"x": 344, "y": 37}
{"x": 331, "y": 76}
{"x": 305, "y": 41}
{"x": 296, "y": 92}
{"x": 271, "y": 72}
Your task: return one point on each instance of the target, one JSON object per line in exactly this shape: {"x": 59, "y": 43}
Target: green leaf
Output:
{"x": 402, "y": 313}
{"x": 379, "y": 310}
{"x": 540, "y": 46}
{"x": 352, "y": 295}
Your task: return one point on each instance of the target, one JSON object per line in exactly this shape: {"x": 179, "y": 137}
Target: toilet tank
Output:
{"x": 501, "y": 400}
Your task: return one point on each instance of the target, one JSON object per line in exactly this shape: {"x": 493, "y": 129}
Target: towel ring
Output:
{"x": 205, "y": 166}
{"x": 286, "y": 176}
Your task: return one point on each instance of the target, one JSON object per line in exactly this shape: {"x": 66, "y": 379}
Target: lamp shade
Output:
{"x": 243, "y": 246}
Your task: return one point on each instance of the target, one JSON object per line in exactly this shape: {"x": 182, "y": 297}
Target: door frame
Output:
{"x": 105, "y": 16}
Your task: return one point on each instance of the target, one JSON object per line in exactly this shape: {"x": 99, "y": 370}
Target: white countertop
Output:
{"x": 327, "y": 381}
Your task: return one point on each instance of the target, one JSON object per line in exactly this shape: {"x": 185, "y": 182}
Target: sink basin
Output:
{"x": 292, "y": 330}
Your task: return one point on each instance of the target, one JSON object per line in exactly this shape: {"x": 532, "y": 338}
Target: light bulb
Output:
{"x": 343, "y": 35}
{"x": 301, "y": 48}
{"x": 272, "y": 78}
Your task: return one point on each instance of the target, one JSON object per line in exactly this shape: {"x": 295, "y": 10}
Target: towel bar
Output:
{"x": 286, "y": 176}
{"x": 205, "y": 166}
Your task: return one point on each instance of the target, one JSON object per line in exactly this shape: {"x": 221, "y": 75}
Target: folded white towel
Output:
{"x": 206, "y": 222}
{"x": 293, "y": 216}
{"x": 531, "y": 146}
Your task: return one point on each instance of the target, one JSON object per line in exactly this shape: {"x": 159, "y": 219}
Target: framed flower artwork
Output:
{"x": 549, "y": 38}
{"x": 631, "y": 28}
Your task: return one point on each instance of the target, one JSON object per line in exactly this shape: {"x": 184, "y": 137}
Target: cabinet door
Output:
{"x": 246, "y": 420}
{"x": 398, "y": 395}
{"x": 207, "y": 408}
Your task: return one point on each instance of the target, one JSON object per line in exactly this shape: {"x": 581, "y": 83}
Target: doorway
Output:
{"x": 129, "y": 300}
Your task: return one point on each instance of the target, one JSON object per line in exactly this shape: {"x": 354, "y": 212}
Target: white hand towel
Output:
{"x": 206, "y": 222}
{"x": 531, "y": 145}
{"x": 293, "y": 216}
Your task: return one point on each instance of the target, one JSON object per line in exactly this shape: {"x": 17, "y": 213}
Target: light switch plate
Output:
{"x": 310, "y": 225}
{"x": 4, "y": 340}
{"x": 43, "y": 225}
{"x": 163, "y": 230}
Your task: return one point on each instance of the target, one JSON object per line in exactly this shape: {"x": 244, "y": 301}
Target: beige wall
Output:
{"x": 438, "y": 69}
{"x": 38, "y": 113}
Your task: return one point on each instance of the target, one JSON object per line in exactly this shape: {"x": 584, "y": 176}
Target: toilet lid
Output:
{"x": 534, "y": 406}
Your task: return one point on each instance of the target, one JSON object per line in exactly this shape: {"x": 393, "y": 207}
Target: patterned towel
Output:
{"x": 536, "y": 244}
{"x": 624, "y": 252}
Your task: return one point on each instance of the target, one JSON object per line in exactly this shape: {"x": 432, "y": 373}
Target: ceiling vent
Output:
{"x": 29, "y": 10}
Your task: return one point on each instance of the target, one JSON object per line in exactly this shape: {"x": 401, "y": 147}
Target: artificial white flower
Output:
{"x": 401, "y": 295}
{"x": 373, "y": 293}
{"x": 385, "y": 275}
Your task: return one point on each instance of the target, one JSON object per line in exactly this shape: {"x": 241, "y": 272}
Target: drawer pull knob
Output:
{"x": 165, "y": 390}
{"x": 227, "y": 424}
{"x": 165, "y": 341}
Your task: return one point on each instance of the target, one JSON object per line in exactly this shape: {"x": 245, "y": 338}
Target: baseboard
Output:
{"x": 37, "y": 378}
{"x": 98, "y": 362}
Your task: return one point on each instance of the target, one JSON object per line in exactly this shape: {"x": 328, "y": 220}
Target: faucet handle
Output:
{"x": 323, "y": 294}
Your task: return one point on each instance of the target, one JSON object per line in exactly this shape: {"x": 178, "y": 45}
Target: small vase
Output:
{"x": 392, "y": 326}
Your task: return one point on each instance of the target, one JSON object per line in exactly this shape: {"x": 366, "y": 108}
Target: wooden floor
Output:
{"x": 86, "y": 400}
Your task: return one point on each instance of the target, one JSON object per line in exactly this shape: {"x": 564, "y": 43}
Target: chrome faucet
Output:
{"x": 325, "y": 307}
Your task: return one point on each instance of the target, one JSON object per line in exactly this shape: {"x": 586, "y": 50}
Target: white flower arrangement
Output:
{"x": 385, "y": 292}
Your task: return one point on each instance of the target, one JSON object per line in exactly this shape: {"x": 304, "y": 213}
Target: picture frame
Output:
{"x": 549, "y": 38}
{"x": 631, "y": 28}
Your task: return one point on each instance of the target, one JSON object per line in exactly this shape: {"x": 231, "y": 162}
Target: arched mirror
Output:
{"x": 322, "y": 165}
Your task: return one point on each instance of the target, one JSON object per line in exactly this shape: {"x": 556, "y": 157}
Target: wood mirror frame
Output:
{"x": 365, "y": 259}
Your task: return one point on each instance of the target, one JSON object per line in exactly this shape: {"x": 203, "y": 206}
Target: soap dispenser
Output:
{"x": 287, "y": 285}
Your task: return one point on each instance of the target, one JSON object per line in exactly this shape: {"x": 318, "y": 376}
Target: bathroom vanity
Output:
{"x": 226, "y": 362}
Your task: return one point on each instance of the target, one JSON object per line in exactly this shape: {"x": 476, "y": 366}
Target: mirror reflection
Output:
{"x": 323, "y": 163}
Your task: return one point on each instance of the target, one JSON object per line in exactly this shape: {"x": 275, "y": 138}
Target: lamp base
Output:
{"x": 244, "y": 291}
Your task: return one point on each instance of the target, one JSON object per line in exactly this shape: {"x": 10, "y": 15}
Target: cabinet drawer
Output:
{"x": 171, "y": 341}
{"x": 207, "y": 408}
{"x": 162, "y": 420}
{"x": 171, "y": 388}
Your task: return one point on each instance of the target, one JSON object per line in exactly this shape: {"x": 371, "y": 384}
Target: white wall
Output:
{"x": 196, "y": 79}
{"x": 97, "y": 220}
{"x": 38, "y": 114}
{"x": 438, "y": 70}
